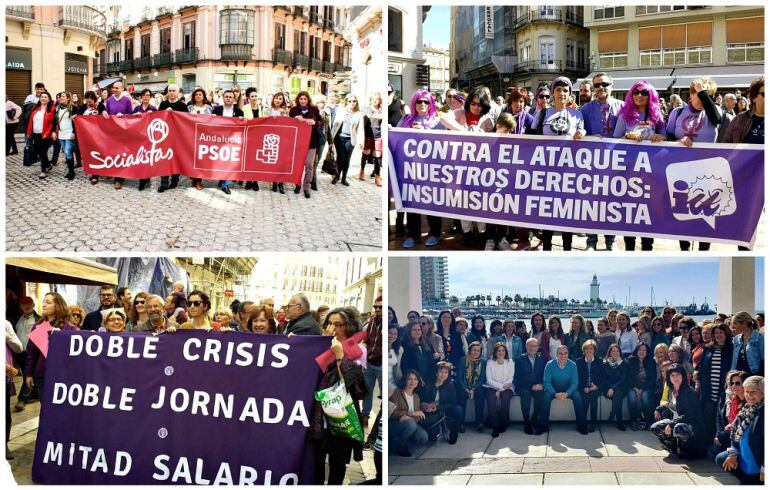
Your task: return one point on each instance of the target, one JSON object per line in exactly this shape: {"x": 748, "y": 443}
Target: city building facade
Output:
{"x": 280, "y": 278}
{"x": 365, "y": 34}
{"x": 407, "y": 70}
{"x": 434, "y": 276}
{"x": 55, "y": 45}
{"x": 360, "y": 282}
{"x": 272, "y": 48}
{"x": 438, "y": 61}
{"x": 669, "y": 46}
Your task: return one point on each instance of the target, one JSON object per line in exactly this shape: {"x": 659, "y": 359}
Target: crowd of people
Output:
{"x": 120, "y": 310}
{"x": 699, "y": 388}
{"x": 553, "y": 110}
{"x": 338, "y": 130}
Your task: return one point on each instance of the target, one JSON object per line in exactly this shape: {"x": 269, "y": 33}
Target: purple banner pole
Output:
{"x": 184, "y": 408}
{"x": 709, "y": 192}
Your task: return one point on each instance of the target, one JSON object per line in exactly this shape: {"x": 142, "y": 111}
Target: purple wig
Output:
{"x": 631, "y": 115}
{"x": 431, "y": 119}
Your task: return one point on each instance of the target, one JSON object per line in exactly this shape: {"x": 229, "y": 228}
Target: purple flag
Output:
{"x": 710, "y": 192}
{"x": 187, "y": 407}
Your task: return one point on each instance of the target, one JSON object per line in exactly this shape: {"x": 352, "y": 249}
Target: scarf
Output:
{"x": 613, "y": 363}
{"x": 472, "y": 372}
{"x": 744, "y": 418}
{"x": 733, "y": 406}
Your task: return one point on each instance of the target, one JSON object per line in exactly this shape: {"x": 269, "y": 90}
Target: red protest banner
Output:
{"x": 270, "y": 149}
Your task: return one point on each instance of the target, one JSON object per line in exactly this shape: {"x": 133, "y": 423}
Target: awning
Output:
{"x": 62, "y": 270}
{"x": 738, "y": 76}
{"x": 107, "y": 82}
{"x": 623, "y": 80}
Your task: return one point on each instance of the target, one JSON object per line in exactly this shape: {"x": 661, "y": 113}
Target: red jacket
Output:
{"x": 48, "y": 121}
{"x": 545, "y": 347}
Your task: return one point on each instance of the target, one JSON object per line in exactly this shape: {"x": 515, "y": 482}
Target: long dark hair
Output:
{"x": 205, "y": 98}
{"x": 483, "y": 331}
{"x": 452, "y": 325}
{"x": 560, "y": 331}
{"x": 544, "y": 327}
{"x": 51, "y": 102}
{"x": 306, "y": 94}
{"x": 484, "y": 101}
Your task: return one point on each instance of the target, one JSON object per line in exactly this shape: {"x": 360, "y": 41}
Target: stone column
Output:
{"x": 405, "y": 290}
{"x": 736, "y": 285}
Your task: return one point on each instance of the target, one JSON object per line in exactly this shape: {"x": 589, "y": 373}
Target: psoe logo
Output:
{"x": 701, "y": 189}
{"x": 269, "y": 152}
{"x": 157, "y": 131}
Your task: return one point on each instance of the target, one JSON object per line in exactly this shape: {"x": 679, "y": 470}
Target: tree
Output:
{"x": 517, "y": 298}
{"x": 498, "y": 298}
{"x": 454, "y": 300}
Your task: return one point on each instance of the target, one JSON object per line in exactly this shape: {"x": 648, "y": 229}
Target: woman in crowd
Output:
{"x": 145, "y": 104}
{"x": 745, "y": 458}
{"x": 423, "y": 115}
{"x": 743, "y": 105}
{"x": 679, "y": 425}
{"x": 590, "y": 328}
{"x": 478, "y": 333}
{"x": 627, "y": 337}
{"x": 659, "y": 332}
{"x": 41, "y": 130}
{"x": 660, "y": 354}
{"x": 677, "y": 355}
{"x": 499, "y": 387}
{"x": 552, "y": 338}
{"x": 706, "y": 330}
{"x": 604, "y": 337}
{"x": 559, "y": 120}
{"x": 748, "y": 345}
{"x": 642, "y": 376}
{"x": 305, "y": 111}
{"x": 337, "y": 448}
{"x": 612, "y": 316}
{"x": 576, "y": 337}
{"x": 416, "y": 353}
{"x": 224, "y": 316}
{"x": 198, "y": 306}
{"x": 537, "y": 320}
{"x": 512, "y": 342}
{"x": 89, "y": 108}
{"x": 348, "y": 135}
{"x": 138, "y": 314}
{"x": 394, "y": 361}
{"x": 644, "y": 330}
{"x": 261, "y": 320}
{"x": 614, "y": 383}
{"x": 251, "y": 111}
{"x": 450, "y": 338}
{"x": 76, "y": 316}
{"x": 12, "y": 114}
{"x": 438, "y": 400}
{"x": 730, "y": 404}
{"x": 372, "y": 120}
{"x": 404, "y": 422}
{"x": 590, "y": 370}
{"x": 56, "y": 314}
{"x": 712, "y": 370}
{"x": 640, "y": 118}
{"x": 432, "y": 338}
{"x": 199, "y": 105}
{"x": 695, "y": 338}
{"x": 542, "y": 99}
{"x": 470, "y": 378}
{"x": 64, "y": 130}
{"x": 114, "y": 321}
{"x": 462, "y": 330}
{"x": 496, "y": 331}
{"x": 279, "y": 107}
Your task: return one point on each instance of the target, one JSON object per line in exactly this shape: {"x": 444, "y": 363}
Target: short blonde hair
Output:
{"x": 589, "y": 343}
{"x": 757, "y": 382}
{"x": 707, "y": 83}
{"x": 661, "y": 347}
{"x": 112, "y": 312}
{"x": 224, "y": 311}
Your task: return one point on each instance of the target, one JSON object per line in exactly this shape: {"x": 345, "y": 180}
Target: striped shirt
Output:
{"x": 716, "y": 367}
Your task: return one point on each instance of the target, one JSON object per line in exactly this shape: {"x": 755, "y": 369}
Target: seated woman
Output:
{"x": 679, "y": 425}
{"x": 745, "y": 458}
{"x": 439, "y": 400}
{"x": 589, "y": 375}
{"x": 416, "y": 354}
{"x": 614, "y": 379}
{"x": 403, "y": 424}
{"x": 641, "y": 387}
{"x": 729, "y": 406}
{"x": 561, "y": 383}
{"x": 470, "y": 379}
{"x": 499, "y": 386}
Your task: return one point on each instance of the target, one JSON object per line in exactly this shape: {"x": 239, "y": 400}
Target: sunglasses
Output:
{"x": 602, "y": 84}
{"x": 423, "y": 323}
{"x": 544, "y": 96}
{"x": 139, "y": 302}
{"x": 377, "y": 307}
{"x": 645, "y": 93}
{"x": 736, "y": 383}
{"x": 195, "y": 303}
{"x": 422, "y": 101}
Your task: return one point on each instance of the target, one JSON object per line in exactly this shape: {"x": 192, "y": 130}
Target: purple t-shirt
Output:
{"x": 141, "y": 110}
{"x": 601, "y": 118}
{"x": 119, "y": 106}
{"x": 686, "y": 121}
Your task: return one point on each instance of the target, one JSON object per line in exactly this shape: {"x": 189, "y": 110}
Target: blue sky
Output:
{"x": 674, "y": 279}
{"x": 435, "y": 29}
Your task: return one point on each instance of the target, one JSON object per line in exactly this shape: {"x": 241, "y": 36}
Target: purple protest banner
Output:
{"x": 710, "y": 192}
{"x": 188, "y": 407}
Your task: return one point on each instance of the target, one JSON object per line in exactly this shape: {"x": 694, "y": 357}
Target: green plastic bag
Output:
{"x": 340, "y": 412}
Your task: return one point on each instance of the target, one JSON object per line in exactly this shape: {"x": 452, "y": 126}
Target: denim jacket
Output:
{"x": 755, "y": 351}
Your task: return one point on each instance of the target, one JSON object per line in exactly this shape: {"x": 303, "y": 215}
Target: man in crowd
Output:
{"x": 170, "y": 308}
{"x": 245, "y": 310}
{"x": 125, "y": 297}
{"x": 584, "y": 92}
{"x": 23, "y": 327}
{"x": 373, "y": 372}
{"x": 107, "y": 300}
{"x": 301, "y": 322}
{"x": 156, "y": 321}
{"x": 118, "y": 104}
{"x": 728, "y": 114}
{"x": 600, "y": 116}
{"x": 227, "y": 109}
{"x": 172, "y": 103}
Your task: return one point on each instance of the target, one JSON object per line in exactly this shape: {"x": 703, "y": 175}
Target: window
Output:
{"x": 674, "y": 57}
{"x": 236, "y": 27}
{"x": 129, "y": 43}
{"x": 525, "y": 52}
{"x": 145, "y": 45}
{"x": 280, "y": 36}
{"x": 547, "y": 51}
{"x": 313, "y": 51}
{"x": 657, "y": 9}
{"x": 165, "y": 40}
{"x": 608, "y": 12}
{"x": 395, "y": 33}
{"x": 613, "y": 60}
{"x": 699, "y": 56}
{"x": 188, "y": 35}
{"x": 746, "y": 52}
{"x": 570, "y": 51}
{"x": 300, "y": 41}
{"x": 327, "y": 51}
{"x": 546, "y": 11}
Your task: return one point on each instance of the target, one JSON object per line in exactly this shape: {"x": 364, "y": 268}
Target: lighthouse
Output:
{"x": 594, "y": 289}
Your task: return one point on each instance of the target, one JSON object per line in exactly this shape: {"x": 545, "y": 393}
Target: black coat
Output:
{"x": 614, "y": 377}
{"x": 524, "y": 375}
{"x": 419, "y": 359}
{"x": 447, "y": 394}
{"x": 237, "y": 112}
{"x": 633, "y": 374}
{"x": 704, "y": 370}
{"x": 304, "y": 324}
{"x": 597, "y": 373}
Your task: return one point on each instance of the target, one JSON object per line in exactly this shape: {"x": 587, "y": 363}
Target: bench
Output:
{"x": 560, "y": 411}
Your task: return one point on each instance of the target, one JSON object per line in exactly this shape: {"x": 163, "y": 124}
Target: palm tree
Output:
{"x": 454, "y": 300}
{"x": 498, "y": 298}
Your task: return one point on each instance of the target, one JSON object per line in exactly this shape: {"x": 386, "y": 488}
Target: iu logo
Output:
{"x": 701, "y": 189}
{"x": 269, "y": 152}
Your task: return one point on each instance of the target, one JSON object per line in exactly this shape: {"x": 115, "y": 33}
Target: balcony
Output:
{"x": 236, "y": 52}
{"x": 328, "y": 67}
{"x": 578, "y": 66}
{"x": 549, "y": 15}
{"x": 299, "y": 12}
{"x": 113, "y": 67}
{"x": 187, "y": 55}
{"x": 143, "y": 63}
{"x": 20, "y": 12}
{"x": 126, "y": 65}
{"x": 301, "y": 61}
{"x": 327, "y": 23}
{"x": 316, "y": 64}
{"x": 535, "y": 66}
{"x": 316, "y": 18}
{"x": 83, "y": 18}
{"x": 163, "y": 59}
{"x": 282, "y": 56}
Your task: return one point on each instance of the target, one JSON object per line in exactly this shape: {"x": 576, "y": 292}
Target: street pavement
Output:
{"x": 454, "y": 241}
{"x": 559, "y": 457}
{"x": 24, "y": 433}
{"x": 55, "y": 214}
